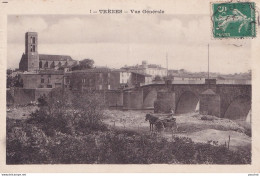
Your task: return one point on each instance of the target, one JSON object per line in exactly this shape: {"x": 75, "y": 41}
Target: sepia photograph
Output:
{"x": 131, "y": 86}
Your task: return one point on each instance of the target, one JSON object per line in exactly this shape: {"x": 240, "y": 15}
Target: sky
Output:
{"x": 119, "y": 40}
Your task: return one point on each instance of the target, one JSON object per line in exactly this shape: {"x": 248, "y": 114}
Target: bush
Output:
{"x": 27, "y": 144}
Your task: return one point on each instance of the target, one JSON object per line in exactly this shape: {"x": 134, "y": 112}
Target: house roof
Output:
{"x": 51, "y": 72}
{"x": 92, "y": 70}
{"x": 143, "y": 74}
{"x": 49, "y": 57}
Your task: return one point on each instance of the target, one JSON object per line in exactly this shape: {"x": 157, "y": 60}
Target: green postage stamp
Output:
{"x": 233, "y": 20}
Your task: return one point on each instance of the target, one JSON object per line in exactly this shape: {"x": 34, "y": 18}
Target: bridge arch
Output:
{"x": 149, "y": 99}
{"x": 239, "y": 108}
{"x": 187, "y": 102}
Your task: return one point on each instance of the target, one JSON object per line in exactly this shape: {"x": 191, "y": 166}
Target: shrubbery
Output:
{"x": 28, "y": 144}
{"x": 68, "y": 129}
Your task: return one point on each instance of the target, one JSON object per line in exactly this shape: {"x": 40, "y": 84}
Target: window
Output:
{"x": 49, "y": 80}
{"x": 42, "y": 80}
{"x": 33, "y": 48}
{"x": 40, "y": 64}
{"x": 49, "y": 86}
{"x": 33, "y": 40}
{"x": 49, "y": 76}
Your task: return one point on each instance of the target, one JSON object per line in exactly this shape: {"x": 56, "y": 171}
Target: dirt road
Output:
{"x": 189, "y": 125}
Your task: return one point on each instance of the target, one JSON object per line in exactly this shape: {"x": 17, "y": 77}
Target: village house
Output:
{"x": 147, "y": 69}
{"x": 97, "y": 79}
{"x": 103, "y": 79}
{"x": 42, "y": 79}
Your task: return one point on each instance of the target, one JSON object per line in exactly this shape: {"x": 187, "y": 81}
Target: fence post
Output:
{"x": 228, "y": 141}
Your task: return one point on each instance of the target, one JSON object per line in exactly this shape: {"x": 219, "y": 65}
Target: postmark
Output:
{"x": 233, "y": 20}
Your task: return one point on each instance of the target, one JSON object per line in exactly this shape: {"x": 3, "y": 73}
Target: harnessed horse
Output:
{"x": 152, "y": 120}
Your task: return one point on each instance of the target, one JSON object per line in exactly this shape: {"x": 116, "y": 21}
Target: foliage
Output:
{"x": 84, "y": 64}
{"x": 15, "y": 81}
{"x": 27, "y": 144}
{"x": 68, "y": 113}
{"x": 158, "y": 78}
{"x": 42, "y": 101}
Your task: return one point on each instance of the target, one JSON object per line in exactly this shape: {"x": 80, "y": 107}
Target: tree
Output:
{"x": 158, "y": 78}
{"x": 84, "y": 64}
{"x": 15, "y": 81}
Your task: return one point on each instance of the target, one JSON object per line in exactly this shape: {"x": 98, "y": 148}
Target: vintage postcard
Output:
{"x": 129, "y": 86}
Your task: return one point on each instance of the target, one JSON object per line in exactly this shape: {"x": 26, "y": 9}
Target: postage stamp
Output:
{"x": 233, "y": 20}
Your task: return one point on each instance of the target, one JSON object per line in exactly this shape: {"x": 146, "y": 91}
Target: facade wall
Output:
{"x": 33, "y": 61}
{"x": 33, "y": 81}
{"x": 44, "y": 64}
{"x": 156, "y": 71}
{"x": 23, "y": 65}
{"x": 133, "y": 99}
{"x": 114, "y": 98}
{"x": 84, "y": 81}
{"x": 95, "y": 80}
{"x": 23, "y": 96}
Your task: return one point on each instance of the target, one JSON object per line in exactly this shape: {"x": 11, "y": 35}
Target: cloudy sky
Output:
{"x": 118, "y": 40}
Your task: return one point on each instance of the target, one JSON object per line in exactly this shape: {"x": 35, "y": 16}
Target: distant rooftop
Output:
{"x": 143, "y": 65}
{"x": 143, "y": 74}
{"x": 50, "y": 57}
{"x": 45, "y": 72}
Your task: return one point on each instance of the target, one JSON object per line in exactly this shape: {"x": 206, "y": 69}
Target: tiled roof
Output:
{"x": 143, "y": 74}
{"x": 92, "y": 70}
{"x": 51, "y": 72}
{"x": 49, "y": 57}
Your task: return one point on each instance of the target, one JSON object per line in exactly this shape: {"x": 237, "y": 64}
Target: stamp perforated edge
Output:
{"x": 226, "y": 38}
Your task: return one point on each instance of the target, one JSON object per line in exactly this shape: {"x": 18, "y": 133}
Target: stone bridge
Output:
{"x": 231, "y": 101}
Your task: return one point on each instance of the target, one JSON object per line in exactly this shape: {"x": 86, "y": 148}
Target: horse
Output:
{"x": 152, "y": 120}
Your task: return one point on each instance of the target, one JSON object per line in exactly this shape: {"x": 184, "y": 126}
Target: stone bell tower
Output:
{"x": 30, "y": 59}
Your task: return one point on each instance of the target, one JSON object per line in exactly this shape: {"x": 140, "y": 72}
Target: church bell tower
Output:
{"x": 31, "y": 51}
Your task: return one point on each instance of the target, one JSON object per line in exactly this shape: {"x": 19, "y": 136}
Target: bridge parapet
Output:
{"x": 235, "y": 81}
{"x": 231, "y": 82}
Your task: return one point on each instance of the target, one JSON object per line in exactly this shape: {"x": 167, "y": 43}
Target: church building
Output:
{"x": 42, "y": 70}
{"x": 32, "y": 61}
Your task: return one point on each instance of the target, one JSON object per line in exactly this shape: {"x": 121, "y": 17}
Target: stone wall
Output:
{"x": 133, "y": 99}
{"x": 114, "y": 98}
